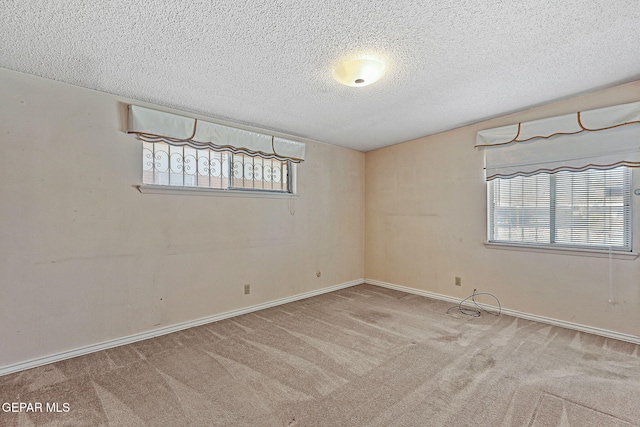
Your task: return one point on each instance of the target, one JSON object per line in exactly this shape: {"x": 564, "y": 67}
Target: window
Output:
{"x": 590, "y": 208}
{"x": 184, "y": 166}
{"x": 563, "y": 182}
{"x": 185, "y": 152}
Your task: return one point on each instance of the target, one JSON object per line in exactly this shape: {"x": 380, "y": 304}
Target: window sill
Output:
{"x": 198, "y": 191}
{"x": 596, "y": 253}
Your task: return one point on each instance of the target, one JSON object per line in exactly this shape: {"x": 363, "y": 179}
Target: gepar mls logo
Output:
{"x": 35, "y": 407}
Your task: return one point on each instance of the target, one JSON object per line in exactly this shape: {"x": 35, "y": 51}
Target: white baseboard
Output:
{"x": 555, "y": 322}
{"x": 21, "y": 366}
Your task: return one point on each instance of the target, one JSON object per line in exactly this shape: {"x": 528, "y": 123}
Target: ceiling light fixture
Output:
{"x": 359, "y": 72}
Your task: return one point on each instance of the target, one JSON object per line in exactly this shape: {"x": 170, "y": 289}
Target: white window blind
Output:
{"x": 519, "y": 209}
{"x": 589, "y": 208}
{"x": 593, "y": 208}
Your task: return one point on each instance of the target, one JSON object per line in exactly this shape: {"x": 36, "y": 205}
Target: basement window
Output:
{"x": 183, "y": 166}
{"x": 185, "y": 155}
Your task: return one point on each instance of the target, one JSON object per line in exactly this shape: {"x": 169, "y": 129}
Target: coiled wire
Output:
{"x": 476, "y": 312}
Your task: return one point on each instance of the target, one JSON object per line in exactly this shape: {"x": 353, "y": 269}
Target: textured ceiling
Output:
{"x": 268, "y": 64}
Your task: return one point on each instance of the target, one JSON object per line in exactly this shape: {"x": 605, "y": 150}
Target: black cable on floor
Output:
{"x": 476, "y": 312}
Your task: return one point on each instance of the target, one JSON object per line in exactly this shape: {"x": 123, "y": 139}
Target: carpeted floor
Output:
{"x": 363, "y": 356}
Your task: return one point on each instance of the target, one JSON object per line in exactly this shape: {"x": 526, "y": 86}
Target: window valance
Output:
{"x": 154, "y": 126}
{"x": 601, "y": 139}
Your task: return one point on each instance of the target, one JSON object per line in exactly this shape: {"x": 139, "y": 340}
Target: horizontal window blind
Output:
{"x": 593, "y": 207}
{"x": 520, "y": 209}
{"x": 587, "y": 208}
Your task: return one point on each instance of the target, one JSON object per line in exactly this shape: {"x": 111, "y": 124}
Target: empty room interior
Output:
{"x": 320, "y": 213}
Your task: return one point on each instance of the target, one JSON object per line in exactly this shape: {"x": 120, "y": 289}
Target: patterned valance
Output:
{"x": 602, "y": 139}
{"x": 154, "y": 126}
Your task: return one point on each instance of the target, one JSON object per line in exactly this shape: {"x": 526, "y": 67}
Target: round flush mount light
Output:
{"x": 359, "y": 72}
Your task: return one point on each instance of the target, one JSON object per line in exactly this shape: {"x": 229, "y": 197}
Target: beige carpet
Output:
{"x": 363, "y": 356}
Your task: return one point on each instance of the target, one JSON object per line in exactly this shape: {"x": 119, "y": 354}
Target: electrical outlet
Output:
{"x": 458, "y": 281}
{"x": 247, "y": 289}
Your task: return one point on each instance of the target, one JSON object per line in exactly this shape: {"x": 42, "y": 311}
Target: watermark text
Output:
{"x": 35, "y": 407}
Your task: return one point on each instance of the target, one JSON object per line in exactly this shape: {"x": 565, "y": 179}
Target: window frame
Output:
{"x": 230, "y": 190}
{"x": 600, "y": 251}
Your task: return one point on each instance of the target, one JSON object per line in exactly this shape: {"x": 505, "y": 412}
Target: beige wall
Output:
{"x": 426, "y": 224}
{"x": 84, "y": 257}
